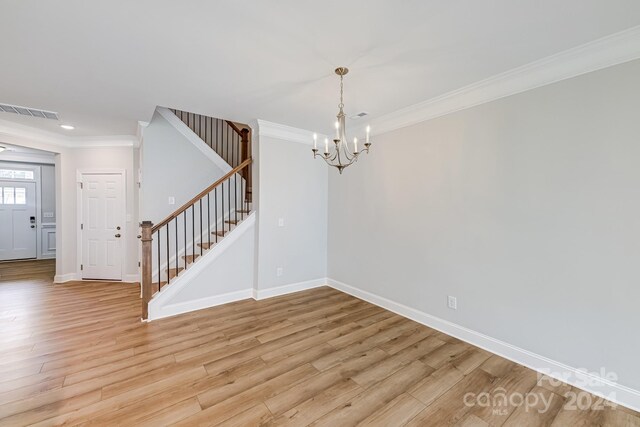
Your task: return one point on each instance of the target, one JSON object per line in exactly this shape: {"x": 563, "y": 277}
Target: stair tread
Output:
{"x": 231, "y": 221}
{"x": 206, "y": 245}
{"x": 190, "y": 258}
{"x": 173, "y": 272}
{"x": 219, "y": 232}
{"x": 243, "y": 211}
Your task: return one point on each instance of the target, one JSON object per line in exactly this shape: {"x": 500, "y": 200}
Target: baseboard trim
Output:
{"x": 259, "y": 294}
{"x": 75, "y": 277}
{"x": 202, "y": 303}
{"x": 595, "y": 384}
{"x": 214, "y": 300}
{"x": 62, "y": 278}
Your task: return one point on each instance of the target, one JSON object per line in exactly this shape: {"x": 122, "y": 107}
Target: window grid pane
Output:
{"x": 21, "y": 196}
{"x": 8, "y": 196}
{"x": 16, "y": 174}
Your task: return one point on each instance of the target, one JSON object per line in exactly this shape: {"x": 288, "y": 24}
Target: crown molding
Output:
{"x": 601, "y": 53}
{"x": 21, "y": 132}
{"x": 284, "y": 132}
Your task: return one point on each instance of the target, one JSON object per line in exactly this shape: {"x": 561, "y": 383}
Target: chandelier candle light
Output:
{"x": 342, "y": 155}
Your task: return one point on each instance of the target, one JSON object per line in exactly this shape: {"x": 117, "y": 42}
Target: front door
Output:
{"x": 17, "y": 220}
{"x": 103, "y": 215}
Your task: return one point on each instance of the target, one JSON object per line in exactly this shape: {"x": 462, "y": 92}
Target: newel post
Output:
{"x": 245, "y": 147}
{"x": 146, "y": 238}
{"x": 246, "y": 154}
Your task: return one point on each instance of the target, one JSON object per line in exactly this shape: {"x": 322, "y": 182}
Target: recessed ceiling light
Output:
{"x": 2, "y": 149}
{"x": 67, "y": 127}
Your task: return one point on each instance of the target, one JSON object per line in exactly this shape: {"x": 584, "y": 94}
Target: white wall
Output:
{"x": 526, "y": 209}
{"x": 293, "y": 186}
{"x": 171, "y": 166}
{"x": 86, "y": 159}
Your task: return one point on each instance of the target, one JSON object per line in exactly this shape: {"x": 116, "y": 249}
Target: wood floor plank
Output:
{"x": 397, "y": 412}
{"x": 77, "y": 353}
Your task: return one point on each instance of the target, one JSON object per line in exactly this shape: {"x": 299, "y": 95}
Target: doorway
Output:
{"x": 18, "y": 234}
{"x": 102, "y": 220}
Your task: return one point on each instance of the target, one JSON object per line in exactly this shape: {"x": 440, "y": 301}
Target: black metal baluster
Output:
{"x": 215, "y": 206}
{"x": 193, "y": 231}
{"x": 159, "y": 265}
{"x": 168, "y": 263}
{"x": 201, "y": 241}
{"x": 235, "y": 179}
{"x": 209, "y": 220}
{"x": 243, "y": 187}
{"x": 177, "y": 260}
{"x": 184, "y": 220}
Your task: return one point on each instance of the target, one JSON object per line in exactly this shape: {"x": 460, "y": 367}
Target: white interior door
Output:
{"x": 103, "y": 215}
{"x": 17, "y": 220}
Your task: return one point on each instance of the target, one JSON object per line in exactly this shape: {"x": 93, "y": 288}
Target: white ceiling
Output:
{"x": 104, "y": 65}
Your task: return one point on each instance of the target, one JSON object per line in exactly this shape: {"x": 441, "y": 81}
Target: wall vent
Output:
{"x": 26, "y": 111}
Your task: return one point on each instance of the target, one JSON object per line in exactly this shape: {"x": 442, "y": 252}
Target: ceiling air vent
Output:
{"x": 26, "y": 111}
{"x": 359, "y": 115}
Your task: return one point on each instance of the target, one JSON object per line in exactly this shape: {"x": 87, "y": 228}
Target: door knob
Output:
{"x": 33, "y": 226}
{"x": 118, "y": 228}
{"x": 118, "y": 235}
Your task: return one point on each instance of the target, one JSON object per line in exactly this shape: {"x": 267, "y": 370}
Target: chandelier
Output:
{"x": 342, "y": 155}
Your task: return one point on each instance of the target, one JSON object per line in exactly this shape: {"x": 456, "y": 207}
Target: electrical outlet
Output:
{"x": 279, "y": 271}
{"x": 172, "y": 200}
{"x": 452, "y": 302}
{"x": 281, "y": 222}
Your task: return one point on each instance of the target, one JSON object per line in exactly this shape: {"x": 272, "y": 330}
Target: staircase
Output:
{"x": 174, "y": 244}
{"x": 229, "y": 140}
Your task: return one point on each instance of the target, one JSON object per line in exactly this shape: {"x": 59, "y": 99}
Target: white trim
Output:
{"x": 601, "y": 53}
{"x": 260, "y": 294}
{"x": 79, "y": 216}
{"x": 284, "y": 132}
{"x": 142, "y": 126}
{"x": 45, "y": 251}
{"x": 181, "y": 127}
{"x": 12, "y": 129}
{"x": 198, "y": 304}
{"x": 602, "y": 387}
{"x": 62, "y": 278}
{"x": 33, "y": 158}
{"x": 159, "y": 305}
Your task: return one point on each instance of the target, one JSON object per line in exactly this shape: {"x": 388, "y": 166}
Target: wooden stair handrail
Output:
{"x": 200, "y": 195}
{"x": 234, "y": 127}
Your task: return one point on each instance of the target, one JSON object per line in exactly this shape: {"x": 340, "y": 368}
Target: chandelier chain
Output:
{"x": 341, "y": 105}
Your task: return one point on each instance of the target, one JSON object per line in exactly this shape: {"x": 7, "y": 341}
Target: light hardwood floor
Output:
{"x": 78, "y": 354}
